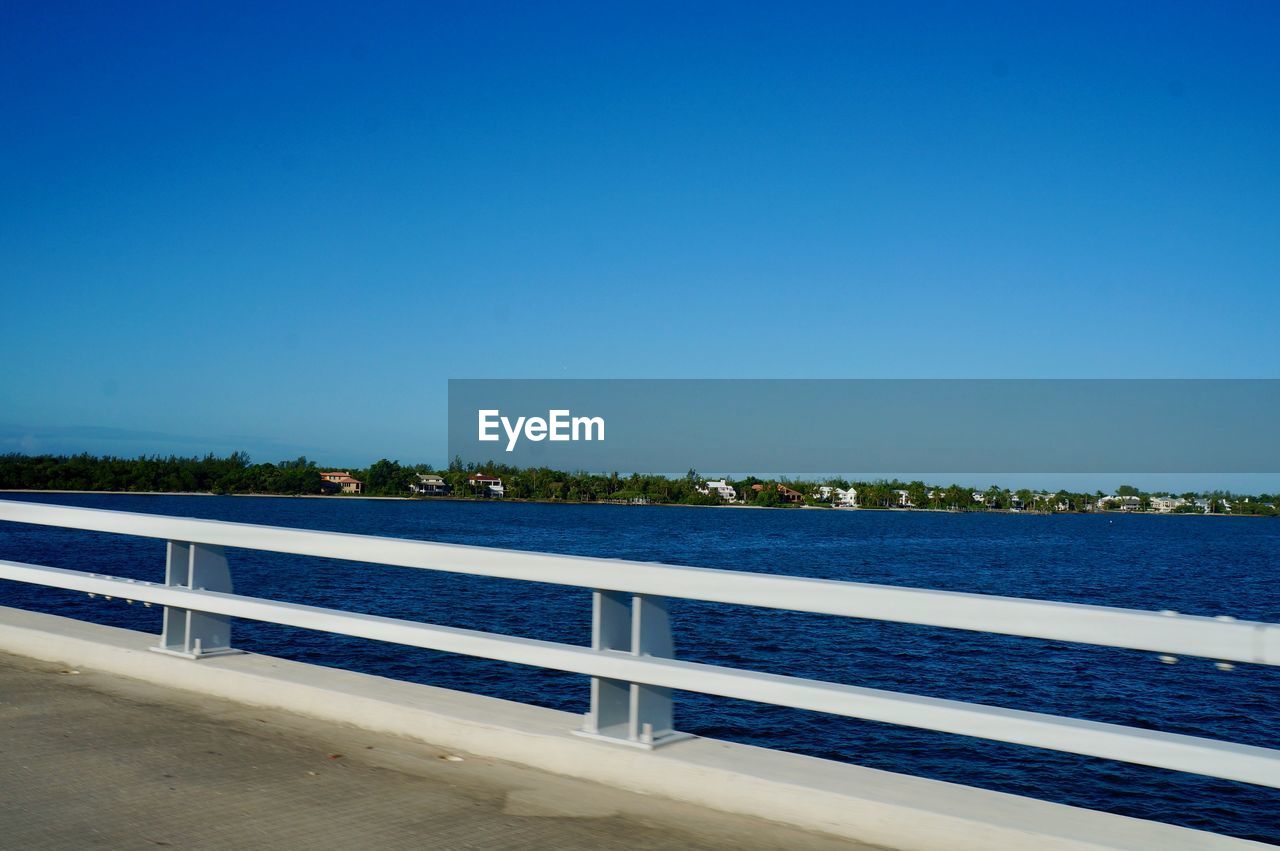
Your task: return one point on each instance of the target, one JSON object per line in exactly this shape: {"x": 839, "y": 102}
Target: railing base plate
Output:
{"x": 226, "y": 651}
{"x": 660, "y": 741}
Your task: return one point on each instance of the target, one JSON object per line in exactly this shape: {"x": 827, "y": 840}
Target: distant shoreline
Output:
{"x": 335, "y": 497}
{"x": 204, "y": 493}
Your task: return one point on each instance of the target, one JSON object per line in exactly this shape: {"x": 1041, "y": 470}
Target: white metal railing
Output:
{"x": 631, "y": 658}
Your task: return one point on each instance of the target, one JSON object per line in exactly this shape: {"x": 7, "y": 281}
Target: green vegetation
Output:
{"x": 236, "y": 474}
{"x": 210, "y": 474}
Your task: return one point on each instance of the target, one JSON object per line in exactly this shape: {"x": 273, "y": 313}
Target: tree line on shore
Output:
{"x": 237, "y": 474}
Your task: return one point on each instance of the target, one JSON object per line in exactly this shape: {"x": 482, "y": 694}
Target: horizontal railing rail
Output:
{"x": 1222, "y": 637}
{"x": 629, "y": 660}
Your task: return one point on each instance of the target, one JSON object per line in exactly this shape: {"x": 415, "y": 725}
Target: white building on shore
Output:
{"x": 1166, "y": 504}
{"x": 839, "y": 497}
{"x": 1123, "y": 503}
{"x": 719, "y": 487}
{"x": 429, "y": 484}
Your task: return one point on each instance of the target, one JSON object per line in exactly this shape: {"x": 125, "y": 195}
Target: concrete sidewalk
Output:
{"x": 94, "y": 760}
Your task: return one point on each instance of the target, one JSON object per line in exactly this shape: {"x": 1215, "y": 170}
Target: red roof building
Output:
{"x": 486, "y": 485}
{"x": 344, "y": 481}
{"x": 787, "y": 494}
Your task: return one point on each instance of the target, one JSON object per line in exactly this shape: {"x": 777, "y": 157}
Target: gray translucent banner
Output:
{"x": 891, "y": 426}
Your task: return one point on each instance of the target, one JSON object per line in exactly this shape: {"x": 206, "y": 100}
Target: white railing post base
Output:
{"x": 623, "y": 712}
{"x": 187, "y": 633}
{"x": 203, "y": 654}
{"x": 657, "y": 742}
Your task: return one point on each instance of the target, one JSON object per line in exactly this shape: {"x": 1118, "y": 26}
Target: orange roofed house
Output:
{"x": 342, "y": 481}
{"x": 787, "y": 494}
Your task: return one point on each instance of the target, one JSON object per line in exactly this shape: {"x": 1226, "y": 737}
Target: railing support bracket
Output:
{"x": 187, "y": 633}
{"x": 623, "y": 712}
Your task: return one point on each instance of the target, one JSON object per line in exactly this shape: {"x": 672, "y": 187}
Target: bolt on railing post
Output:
{"x": 625, "y": 712}
{"x": 188, "y": 633}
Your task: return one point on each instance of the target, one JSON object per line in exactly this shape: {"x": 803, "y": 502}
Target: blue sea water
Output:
{"x": 1197, "y": 565}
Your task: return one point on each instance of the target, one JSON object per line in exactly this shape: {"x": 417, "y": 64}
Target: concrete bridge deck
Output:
{"x": 89, "y": 759}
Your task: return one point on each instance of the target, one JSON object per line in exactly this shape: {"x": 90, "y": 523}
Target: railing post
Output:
{"x": 188, "y": 633}
{"x": 625, "y": 712}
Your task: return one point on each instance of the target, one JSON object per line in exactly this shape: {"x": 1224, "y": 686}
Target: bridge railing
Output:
{"x": 631, "y": 659}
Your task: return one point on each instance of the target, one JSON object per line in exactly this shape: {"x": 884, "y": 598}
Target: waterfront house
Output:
{"x": 1213, "y": 505}
{"x": 1043, "y": 501}
{"x": 429, "y": 484}
{"x": 838, "y": 496}
{"x": 721, "y": 488}
{"x": 787, "y": 494}
{"x": 1123, "y": 503}
{"x": 487, "y": 486}
{"x": 343, "y": 481}
{"x": 903, "y": 498}
{"x": 1166, "y": 504}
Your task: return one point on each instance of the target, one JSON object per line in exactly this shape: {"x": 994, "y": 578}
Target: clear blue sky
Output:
{"x": 234, "y": 227}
